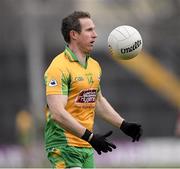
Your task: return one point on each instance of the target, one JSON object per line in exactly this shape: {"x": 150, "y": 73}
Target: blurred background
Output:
{"x": 145, "y": 89}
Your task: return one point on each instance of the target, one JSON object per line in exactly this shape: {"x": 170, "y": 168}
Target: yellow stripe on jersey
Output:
{"x": 66, "y": 76}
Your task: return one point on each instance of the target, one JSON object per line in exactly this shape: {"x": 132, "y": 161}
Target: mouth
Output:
{"x": 92, "y": 43}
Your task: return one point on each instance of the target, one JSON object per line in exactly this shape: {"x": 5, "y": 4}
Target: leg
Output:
{"x": 65, "y": 157}
{"x": 89, "y": 161}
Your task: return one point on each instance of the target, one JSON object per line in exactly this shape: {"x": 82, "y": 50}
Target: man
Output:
{"x": 74, "y": 96}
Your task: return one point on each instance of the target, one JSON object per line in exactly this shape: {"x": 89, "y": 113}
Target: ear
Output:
{"x": 73, "y": 34}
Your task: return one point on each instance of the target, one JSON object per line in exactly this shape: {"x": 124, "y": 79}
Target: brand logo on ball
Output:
{"x": 86, "y": 96}
{"x": 131, "y": 48}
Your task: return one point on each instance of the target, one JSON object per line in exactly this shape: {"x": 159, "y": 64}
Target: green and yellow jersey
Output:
{"x": 81, "y": 83}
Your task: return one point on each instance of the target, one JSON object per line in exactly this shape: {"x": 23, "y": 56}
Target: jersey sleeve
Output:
{"x": 57, "y": 81}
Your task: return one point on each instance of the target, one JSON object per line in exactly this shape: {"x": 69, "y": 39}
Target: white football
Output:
{"x": 125, "y": 42}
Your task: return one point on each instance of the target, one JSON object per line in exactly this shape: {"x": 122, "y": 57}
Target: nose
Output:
{"x": 94, "y": 34}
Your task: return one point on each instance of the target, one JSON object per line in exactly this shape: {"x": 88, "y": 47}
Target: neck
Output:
{"x": 78, "y": 52}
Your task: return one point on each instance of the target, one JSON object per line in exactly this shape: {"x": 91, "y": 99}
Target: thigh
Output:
{"x": 65, "y": 157}
{"x": 55, "y": 158}
{"x": 89, "y": 160}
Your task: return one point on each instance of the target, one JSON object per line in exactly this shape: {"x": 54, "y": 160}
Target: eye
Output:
{"x": 90, "y": 29}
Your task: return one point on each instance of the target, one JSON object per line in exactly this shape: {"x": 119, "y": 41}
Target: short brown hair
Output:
{"x": 71, "y": 22}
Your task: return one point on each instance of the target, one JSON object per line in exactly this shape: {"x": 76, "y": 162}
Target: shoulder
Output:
{"x": 58, "y": 64}
{"x": 59, "y": 61}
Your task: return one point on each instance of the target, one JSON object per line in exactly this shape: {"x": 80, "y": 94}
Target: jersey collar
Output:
{"x": 72, "y": 57}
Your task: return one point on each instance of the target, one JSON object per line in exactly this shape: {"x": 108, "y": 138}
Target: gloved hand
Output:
{"x": 99, "y": 142}
{"x": 133, "y": 130}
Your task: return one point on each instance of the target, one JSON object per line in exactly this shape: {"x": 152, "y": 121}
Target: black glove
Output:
{"x": 133, "y": 130}
{"x": 99, "y": 142}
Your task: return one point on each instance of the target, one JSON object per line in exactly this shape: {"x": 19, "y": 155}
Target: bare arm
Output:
{"x": 57, "y": 105}
{"x": 106, "y": 111}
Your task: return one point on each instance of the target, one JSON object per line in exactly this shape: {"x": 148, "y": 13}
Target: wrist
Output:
{"x": 122, "y": 124}
{"x": 87, "y": 136}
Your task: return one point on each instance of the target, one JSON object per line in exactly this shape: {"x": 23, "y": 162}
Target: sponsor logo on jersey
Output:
{"x": 53, "y": 83}
{"x": 86, "y": 96}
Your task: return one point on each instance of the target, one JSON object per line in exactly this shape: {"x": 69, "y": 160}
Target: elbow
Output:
{"x": 58, "y": 117}
{"x": 55, "y": 116}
